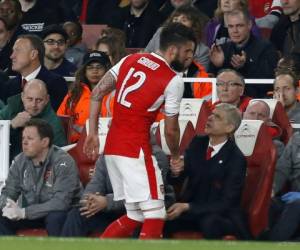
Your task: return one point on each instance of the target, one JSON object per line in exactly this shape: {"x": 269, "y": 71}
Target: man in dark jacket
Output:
{"x": 27, "y": 58}
{"x": 212, "y": 173}
{"x": 250, "y": 56}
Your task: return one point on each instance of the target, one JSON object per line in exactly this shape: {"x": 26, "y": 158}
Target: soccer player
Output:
{"x": 143, "y": 82}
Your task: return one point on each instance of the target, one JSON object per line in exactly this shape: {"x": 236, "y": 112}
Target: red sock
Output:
{"x": 152, "y": 229}
{"x": 121, "y": 228}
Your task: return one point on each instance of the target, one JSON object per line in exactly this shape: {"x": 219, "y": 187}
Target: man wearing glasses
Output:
{"x": 230, "y": 89}
{"x": 55, "y": 38}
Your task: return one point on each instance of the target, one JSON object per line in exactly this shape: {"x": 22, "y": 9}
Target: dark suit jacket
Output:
{"x": 56, "y": 85}
{"x": 213, "y": 186}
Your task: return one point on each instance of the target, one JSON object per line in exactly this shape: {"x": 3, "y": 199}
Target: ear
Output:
{"x": 242, "y": 90}
{"x": 45, "y": 142}
{"x": 34, "y": 54}
{"x": 172, "y": 51}
{"x": 229, "y": 128}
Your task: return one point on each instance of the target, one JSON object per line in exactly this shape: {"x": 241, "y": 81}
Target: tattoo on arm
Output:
{"x": 104, "y": 86}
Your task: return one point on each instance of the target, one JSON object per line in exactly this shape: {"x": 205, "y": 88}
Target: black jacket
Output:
{"x": 56, "y": 85}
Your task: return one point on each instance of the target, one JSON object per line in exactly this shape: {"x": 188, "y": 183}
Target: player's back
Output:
{"x": 141, "y": 82}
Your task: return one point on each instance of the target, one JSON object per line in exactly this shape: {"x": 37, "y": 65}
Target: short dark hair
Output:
{"x": 176, "y": 34}
{"x": 36, "y": 43}
{"x": 44, "y": 128}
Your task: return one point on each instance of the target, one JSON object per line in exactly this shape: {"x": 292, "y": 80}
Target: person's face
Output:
{"x": 183, "y": 19}
{"x": 229, "y": 5}
{"x": 138, "y": 4}
{"x": 238, "y": 28}
{"x": 55, "y": 47}
{"x": 229, "y": 88}
{"x": 178, "y": 3}
{"x": 22, "y": 56}
{"x": 70, "y": 29}
{"x": 94, "y": 72}
{"x": 217, "y": 124}
{"x": 4, "y": 34}
{"x": 290, "y": 7}
{"x": 32, "y": 144}
{"x": 257, "y": 111}
{"x": 9, "y": 13}
{"x": 182, "y": 56}
{"x": 105, "y": 49}
{"x": 284, "y": 90}
{"x": 34, "y": 100}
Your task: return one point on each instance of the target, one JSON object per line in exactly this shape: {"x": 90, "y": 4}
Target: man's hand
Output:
{"x": 20, "y": 119}
{"x": 91, "y": 146}
{"x": 238, "y": 61}
{"x": 216, "y": 55}
{"x": 176, "y": 166}
{"x": 176, "y": 210}
{"x": 92, "y": 204}
{"x": 12, "y": 211}
{"x": 290, "y": 197}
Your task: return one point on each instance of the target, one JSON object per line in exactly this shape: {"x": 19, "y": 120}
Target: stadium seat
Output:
{"x": 197, "y": 111}
{"x": 91, "y": 33}
{"x": 279, "y": 117}
{"x": 256, "y": 144}
{"x": 187, "y": 132}
{"x": 67, "y": 125}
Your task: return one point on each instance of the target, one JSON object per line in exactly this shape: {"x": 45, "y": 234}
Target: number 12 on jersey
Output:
{"x": 125, "y": 90}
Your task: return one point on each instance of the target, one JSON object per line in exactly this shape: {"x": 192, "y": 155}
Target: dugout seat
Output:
{"x": 279, "y": 117}
{"x": 197, "y": 111}
{"x": 187, "y": 132}
{"x": 256, "y": 144}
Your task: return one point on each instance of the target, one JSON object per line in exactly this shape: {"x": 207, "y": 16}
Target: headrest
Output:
{"x": 271, "y": 103}
{"x": 246, "y": 135}
{"x": 190, "y": 109}
{"x": 103, "y": 127}
{"x": 182, "y": 126}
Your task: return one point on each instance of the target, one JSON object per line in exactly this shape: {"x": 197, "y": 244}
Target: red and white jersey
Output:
{"x": 261, "y": 8}
{"x": 144, "y": 83}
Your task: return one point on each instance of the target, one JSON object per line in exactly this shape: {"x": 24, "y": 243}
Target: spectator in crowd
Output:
{"x": 113, "y": 46}
{"x": 77, "y": 102}
{"x": 286, "y": 33}
{"x": 139, "y": 20}
{"x": 250, "y": 56}
{"x": 11, "y": 13}
{"x": 27, "y": 59}
{"x": 206, "y": 6}
{"x": 38, "y": 14}
{"x": 286, "y": 87}
{"x": 33, "y": 102}
{"x": 76, "y": 49}
{"x": 230, "y": 89}
{"x": 285, "y": 206}
{"x": 55, "y": 41}
{"x": 4, "y": 34}
{"x": 260, "y": 110}
{"x": 45, "y": 178}
{"x": 216, "y": 31}
{"x": 192, "y": 18}
{"x": 266, "y": 12}
{"x": 98, "y": 208}
{"x": 3, "y": 79}
{"x": 214, "y": 171}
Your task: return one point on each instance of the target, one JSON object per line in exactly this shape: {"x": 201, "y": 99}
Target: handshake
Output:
{"x": 12, "y": 211}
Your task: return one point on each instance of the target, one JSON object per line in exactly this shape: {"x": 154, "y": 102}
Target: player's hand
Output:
{"x": 20, "y": 119}
{"x": 91, "y": 146}
{"x": 176, "y": 166}
{"x": 238, "y": 61}
{"x": 92, "y": 204}
{"x": 216, "y": 55}
{"x": 176, "y": 210}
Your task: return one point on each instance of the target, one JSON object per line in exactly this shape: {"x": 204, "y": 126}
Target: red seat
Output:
{"x": 37, "y": 232}
{"x": 279, "y": 117}
{"x": 187, "y": 132}
{"x": 197, "y": 111}
{"x": 91, "y": 33}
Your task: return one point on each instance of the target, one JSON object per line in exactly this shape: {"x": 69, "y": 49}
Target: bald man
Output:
{"x": 33, "y": 102}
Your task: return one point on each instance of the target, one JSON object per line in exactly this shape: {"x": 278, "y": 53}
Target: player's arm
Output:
{"x": 104, "y": 87}
{"x": 173, "y": 95}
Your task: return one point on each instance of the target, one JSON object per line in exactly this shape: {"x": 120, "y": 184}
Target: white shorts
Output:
{"x": 135, "y": 179}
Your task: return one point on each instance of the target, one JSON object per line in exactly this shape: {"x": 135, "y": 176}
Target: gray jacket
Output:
{"x": 100, "y": 182}
{"x": 288, "y": 166}
{"x": 54, "y": 188}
